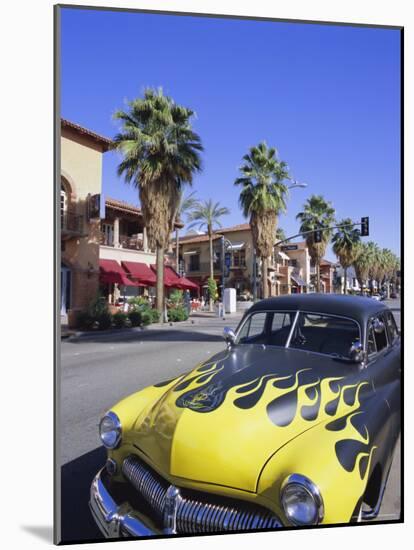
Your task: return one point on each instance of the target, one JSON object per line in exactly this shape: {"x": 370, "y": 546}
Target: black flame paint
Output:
{"x": 213, "y": 384}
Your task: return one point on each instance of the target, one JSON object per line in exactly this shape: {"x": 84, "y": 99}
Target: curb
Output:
{"x": 92, "y": 334}
{"x": 86, "y": 335}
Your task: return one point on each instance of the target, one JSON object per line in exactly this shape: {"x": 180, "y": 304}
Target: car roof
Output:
{"x": 355, "y": 307}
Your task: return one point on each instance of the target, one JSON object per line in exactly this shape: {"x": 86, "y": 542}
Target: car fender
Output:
{"x": 338, "y": 456}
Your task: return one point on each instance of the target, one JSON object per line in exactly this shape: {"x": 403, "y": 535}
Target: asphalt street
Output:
{"x": 100, "y": 369}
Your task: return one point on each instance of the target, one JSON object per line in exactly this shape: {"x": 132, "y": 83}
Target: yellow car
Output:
{"x": 294, "y": 424}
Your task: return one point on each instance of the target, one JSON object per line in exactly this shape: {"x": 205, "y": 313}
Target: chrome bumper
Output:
{"x": 115, "y": 520}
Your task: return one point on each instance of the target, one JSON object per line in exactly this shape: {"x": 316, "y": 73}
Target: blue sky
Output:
{"x": 327, "y": 97}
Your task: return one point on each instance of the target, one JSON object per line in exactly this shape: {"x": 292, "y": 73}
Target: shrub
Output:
{"x": 176, "y": 298}
{"x": 85, "y": 320}
{"x": 155, "y": 315}
{"x": 104, "y": 320}
{"x": 177, "y": 314}
{"x": 146, "y": 317}
{"x": 98, "y": 306}
{"x": 135, "y": 317}
{"x": 138, "y": 303}
{"x": 120, "y": 319}
{"x": 212, "y": 289}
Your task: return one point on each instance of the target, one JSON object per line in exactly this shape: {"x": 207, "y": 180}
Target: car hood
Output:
{"x": 221, "y": 423}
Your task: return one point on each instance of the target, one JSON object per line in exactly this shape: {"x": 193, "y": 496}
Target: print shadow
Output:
{"x": 42, "y": 532}
{"x": 76, "y": 477}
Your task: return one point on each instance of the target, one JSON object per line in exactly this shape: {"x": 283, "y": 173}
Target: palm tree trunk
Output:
{"x": 345, "y": 273}
{"x": 265, "y": 285}
{"x": 160, "y": 282}
{"x": 177, "y": 250}
{"x": 210, "y": 235}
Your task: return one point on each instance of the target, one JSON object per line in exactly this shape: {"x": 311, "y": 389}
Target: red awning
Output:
{"x": 171, "y": 277}
{"x": 186, "y": 284}
{"x": 141, "y": 272}
{"x": 111, "y": 272}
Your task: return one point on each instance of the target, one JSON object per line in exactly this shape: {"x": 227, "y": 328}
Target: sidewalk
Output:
{"x": 196, "y": 319}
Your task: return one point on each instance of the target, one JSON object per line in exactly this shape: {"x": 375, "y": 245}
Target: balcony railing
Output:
{"x": 131, "y": 242}
{"x": 71, "y": 222}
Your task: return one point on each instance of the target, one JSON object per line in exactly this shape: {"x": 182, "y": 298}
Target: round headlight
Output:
{"x": 110, "y": 430}
{"x": 301, "y": 501}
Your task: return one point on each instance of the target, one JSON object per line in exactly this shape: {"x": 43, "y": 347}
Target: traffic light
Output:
{"x": 317, "y": 236}
{"x": 365, "y": 226}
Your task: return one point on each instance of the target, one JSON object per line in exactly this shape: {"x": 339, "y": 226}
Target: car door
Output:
{"x": 383, "y": 365}
{"x": 393, "y": 358}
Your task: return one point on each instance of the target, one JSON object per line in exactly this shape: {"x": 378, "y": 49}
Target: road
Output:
{"x": 98, "y": 371}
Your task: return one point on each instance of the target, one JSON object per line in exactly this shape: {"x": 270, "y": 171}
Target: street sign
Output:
{"x": 289, "y": 247}
{"x": 365, "y": 226}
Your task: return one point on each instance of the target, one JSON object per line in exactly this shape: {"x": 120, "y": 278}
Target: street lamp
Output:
{"x": 296, "y": 183}
{"x": 225, "y": 243}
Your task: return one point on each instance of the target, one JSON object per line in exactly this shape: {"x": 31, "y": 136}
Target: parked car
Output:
{"x": 295, "y": 423}
{"x": 393, "y": 295}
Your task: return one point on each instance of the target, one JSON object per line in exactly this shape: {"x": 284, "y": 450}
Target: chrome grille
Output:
{"x": 197, "y": 512}
{"x": 148, "y": 484}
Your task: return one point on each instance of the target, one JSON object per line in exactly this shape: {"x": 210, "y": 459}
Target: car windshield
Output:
{"x": 327, "y": 334}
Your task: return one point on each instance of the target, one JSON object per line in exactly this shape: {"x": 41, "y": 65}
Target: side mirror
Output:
{"x": 229, "y": 336}
{"x": 356, "y": 352}
{"x": 378, "y": 326}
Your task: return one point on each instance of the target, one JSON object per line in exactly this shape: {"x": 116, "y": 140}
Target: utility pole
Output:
{"x": 222, "y": 268}
{"x": 254, "y": 276}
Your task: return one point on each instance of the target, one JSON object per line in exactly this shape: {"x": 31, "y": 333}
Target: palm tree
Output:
{"x": 374, "y": 254}
{"x": 280, "y": 234}
{"x": 362, "y": 263}
{"x": 262, "y": 198}
{"x": 390, "y": 265}
{"x": 206, "y": 215}
{"x": 185, "y": 206}
{"x": 345, "y": 242}
{"x": 317, "y": 214}
{"x": 160, "y": 155}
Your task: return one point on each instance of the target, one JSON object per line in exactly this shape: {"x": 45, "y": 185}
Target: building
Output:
{"x": 80, "y": 190}
{"x": 289, "y": 268}
{"x": 352, "y": 284}
{"x": 327, "y": 270}
{"x": 294, "y": 275}
{"x": 125, "y": 257}
{"x": 195, "y": 257}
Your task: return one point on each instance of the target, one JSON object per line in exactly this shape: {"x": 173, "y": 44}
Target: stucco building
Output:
{"x": 195, "y": 257}
{"x": 289, "y": 270}
{"x": 80, "y": 190}
{"x": 124, "y": 253}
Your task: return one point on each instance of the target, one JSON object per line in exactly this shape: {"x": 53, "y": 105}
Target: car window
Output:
{"x": 280, "y": 320}
{"x": 391, "y": 326}
{"x": 326, "y": 334}
{"x": 270, "y": 328}
{"x": 253, "y": 327}
{"x": 379, "y": 332}
{"x": 371, "y": 346}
